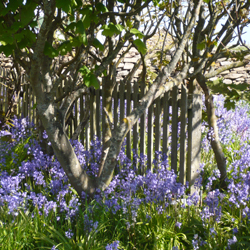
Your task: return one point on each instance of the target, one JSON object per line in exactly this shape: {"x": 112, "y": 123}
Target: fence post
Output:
{"x": 194, "y": 140}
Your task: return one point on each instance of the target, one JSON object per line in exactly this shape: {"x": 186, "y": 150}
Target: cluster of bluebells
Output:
{"x": 113, "y": 246}
{"x": 39, "y": 181}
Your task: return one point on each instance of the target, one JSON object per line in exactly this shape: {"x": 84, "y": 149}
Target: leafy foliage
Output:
{"x": 232, "y": 92}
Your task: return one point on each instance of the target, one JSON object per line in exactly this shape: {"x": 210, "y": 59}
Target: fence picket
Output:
{"x": 135, "y": 128}
{"x": 98, "y": 113}
{"x": 92, "y": 115}
{"x": 182, "y": 176}
{"x": 142, "y": 122}
{"x": 150, "y": 136}
{"x": 165, "y": 123}
{"x": 81, "y": 117}
{"x": 157, "y": 125}
{"x": 128, "y": 103}
{"x": 121, "y": 97}
{"x": 174, "y": 140}
{"x": 116, "y": 112}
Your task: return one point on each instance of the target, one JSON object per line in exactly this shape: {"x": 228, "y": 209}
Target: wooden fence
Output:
{"x": 171, "y": 125}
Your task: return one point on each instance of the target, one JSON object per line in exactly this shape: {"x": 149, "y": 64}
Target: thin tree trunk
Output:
{"x": 213, "y": 129}
{"x": 107, "y": 105}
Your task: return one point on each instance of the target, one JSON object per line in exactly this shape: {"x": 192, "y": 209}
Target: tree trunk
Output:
{"x": 107, "y": 92}
{"x": 213, "y": 129}
{"x": 63, "y": 150}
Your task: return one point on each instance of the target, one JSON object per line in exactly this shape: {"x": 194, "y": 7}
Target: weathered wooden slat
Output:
{"x": 194, "y": 140}
{"x": 135, "y": 128}
{"x": 122, "y": 106}
{"x": 157, "y": 134}
{"x": 5, "y": 94}
{"x": 25, "y": 100}
{"x": 35, "y": 110}
{"x": 150, "y": 137}
{"x": 92, "y": 115}
{"x": 30, "y": 103}
{"x": 103, "y": 114}
{"x": 81, "y": 117}
{"x": 165, "y": 123}
{"x": 76, "y": 117}
{"x": 98, "y": 114}
{"x": 184, "y": 103}
{"x": 128, "y": 103}
{"x": 1, "y": 90}
{"x": 142, "y": 122}
{"x": 115, "y": 113}
{"x": 174, "y": 141}
{"x": 86, "y": 130}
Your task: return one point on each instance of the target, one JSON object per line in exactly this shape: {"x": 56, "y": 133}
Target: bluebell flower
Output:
{"x": 69, "y": 234}
{"x": 113, "y": 246}
{"x": 231, "y": 242}
{"x": 178, "y": 224}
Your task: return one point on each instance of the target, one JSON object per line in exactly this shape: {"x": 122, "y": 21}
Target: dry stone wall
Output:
{"x": 237, "y": 75}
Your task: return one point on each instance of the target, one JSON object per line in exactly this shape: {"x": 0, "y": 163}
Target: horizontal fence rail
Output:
{"x": 171, "y": 125}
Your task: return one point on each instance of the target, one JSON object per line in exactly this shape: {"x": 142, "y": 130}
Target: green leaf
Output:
{"x": 50, "y": 51}
{"x": 241, "y": 86}
{"x": 129, "y": 24}
{"x": 76, "y": 41}
{"x": 27, "y": 13}
{"x": 34, "y": 106}
{"x": 137, "y": 33}
{"x": 84, "y": 70}
{"x": 29, "y": 36}
{"x": 7, "y": 49}
{"x": 80, "y": 27}
{"x": 120, "y": 27}
{"x": 101, "y": 7}
{"x": 19, "y": 36}
{"x": 13, "y": 5}
{"x": 87, "y": 13}
{"x": 110, "y": 30}
{"x": 65, "y": 47}
{"x": 16, "y": 26}
{"x": 91, "y": 80}
{"x": 6, "y": 39}
{"x": 201, "y": 46}
{"x": 140, "y": 46}
{"x": 65, "y": 5}
{"x": 229, "y": 104}
{"x": 83, "y": 39}
{"x": 71, "y": 27}
{"x": 98, "y": 44}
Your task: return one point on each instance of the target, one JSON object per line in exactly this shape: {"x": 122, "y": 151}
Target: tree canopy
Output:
{"x": 34, "y": 33}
